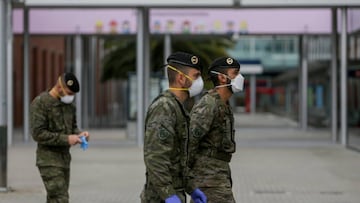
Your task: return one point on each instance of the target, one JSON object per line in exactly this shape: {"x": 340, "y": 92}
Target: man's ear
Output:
{"x": 222, "y": 78}
{"x": 58, "y": 88}
{"x": 181, "y": 79}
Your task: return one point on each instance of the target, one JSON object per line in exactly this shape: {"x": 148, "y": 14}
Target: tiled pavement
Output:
{"x": 271, "y": 165}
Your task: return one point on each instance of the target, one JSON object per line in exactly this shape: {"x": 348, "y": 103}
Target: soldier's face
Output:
{"x": 233, "y": 72}
{"x": 187, "y": 77}
{"x": 193, "y": 74}
{"x": 228, "y": 75}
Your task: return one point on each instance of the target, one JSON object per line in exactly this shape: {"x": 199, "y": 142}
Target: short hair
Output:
{"x": 214, "y": 76}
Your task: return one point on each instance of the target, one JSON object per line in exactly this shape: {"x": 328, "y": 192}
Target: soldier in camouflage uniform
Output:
{"x": 212, "y": 140}
{"x": 167, "y": 134}
{"x": 54, "y": 128}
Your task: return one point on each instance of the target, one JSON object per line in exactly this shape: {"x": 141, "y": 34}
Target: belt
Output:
{"x": 223, "y": 156}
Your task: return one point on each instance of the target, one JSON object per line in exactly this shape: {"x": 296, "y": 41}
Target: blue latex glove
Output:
{"x": 198, "y": 196}
{"x": 173, "y": 199}
{"x": 84, "y": 144}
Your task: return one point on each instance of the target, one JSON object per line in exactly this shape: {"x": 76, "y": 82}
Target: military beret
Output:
{"x": 223, "y": 63}
{"x": 185, "y": 59}
{"x": 71, "y": 82}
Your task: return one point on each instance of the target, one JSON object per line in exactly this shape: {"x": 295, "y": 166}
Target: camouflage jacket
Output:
{"x": 211, "y": 142}
{"x": 212, "y": 128}
{"x": 51, "y": 122}
{"x": 165, "y": 146}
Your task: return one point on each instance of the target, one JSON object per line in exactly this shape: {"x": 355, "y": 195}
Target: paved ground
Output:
{"x": 271, "y": 165}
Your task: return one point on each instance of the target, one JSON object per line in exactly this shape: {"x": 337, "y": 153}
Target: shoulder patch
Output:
{"x": 163, "y": 134}
{"x": 196, "y": 133}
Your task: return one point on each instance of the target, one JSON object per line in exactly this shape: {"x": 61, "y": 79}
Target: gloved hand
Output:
{"x": 198, "y": 196}
{"x": 173, "y": 199}
{"x": 84, "y": 144}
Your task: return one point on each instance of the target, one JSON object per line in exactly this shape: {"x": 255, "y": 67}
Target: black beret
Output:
{"x": 223, "y": 63}
{"x": 71, "y": 82}
{"x": 185, "y": 59}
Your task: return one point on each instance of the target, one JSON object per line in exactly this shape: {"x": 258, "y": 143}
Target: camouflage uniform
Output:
{"x": 51, "y": 122}
{"x": 166, "y": 135}
{"x": 211, "y": 146}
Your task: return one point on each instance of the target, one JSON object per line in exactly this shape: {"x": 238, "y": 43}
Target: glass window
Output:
{"x": 279, "y": 46}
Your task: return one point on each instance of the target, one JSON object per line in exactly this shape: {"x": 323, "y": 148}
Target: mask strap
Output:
{"x": 175, "y": 88}
{"x": 223, "y": 85}
{"x": 225, "y": 76}
{"x": 178, "y": 88}
{"x": 220, "y": 74}
{"x": 216, "y": 72}
{"x": 174, "y": 69}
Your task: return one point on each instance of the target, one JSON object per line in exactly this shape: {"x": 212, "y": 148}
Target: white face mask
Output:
{"x": 237, "y": 84}
{"x": 196, "y": 87}
{"x": 67, "y": 99}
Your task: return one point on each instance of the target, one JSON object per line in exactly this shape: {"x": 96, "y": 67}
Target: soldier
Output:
{"x": 167, "y": 134}
{"x": 54, "y": 128}
{"x": 212, "y": 140}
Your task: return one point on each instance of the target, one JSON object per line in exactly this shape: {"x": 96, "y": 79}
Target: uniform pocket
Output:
{"x": 228, "y": 144}
{"x": 209, "y": 172}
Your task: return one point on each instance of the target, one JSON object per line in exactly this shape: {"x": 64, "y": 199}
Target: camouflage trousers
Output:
{"x": 213, "y": 177}
{"x": 56, "y": 182}
{"x": 218, "y": 195}
{"x": 147, "y": 197}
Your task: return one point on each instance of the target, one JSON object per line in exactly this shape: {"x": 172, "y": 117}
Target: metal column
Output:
{"x": 142, "y": 47}
{"x": 146, "y": 53}
{"x": 27, "y": 84}
{"x": 78, "y": 73}
{"x": 334, "y": 96}
{"x": 303, "y": 85}
{"x": 343, "y": 78}
{"x": 3, "y": 120}
{"x": 9, "y": 64}
{"x": 92, "y": 78}
{"x": 2, "y": 64}
{"x": 85, "y": 82}
{"x": 167, "y": 52}
{"x": 253, "y": 94}
{"x": 99, "y": 120}
{"x": 167, "y": 46}
{"x": 288, "y": 98}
